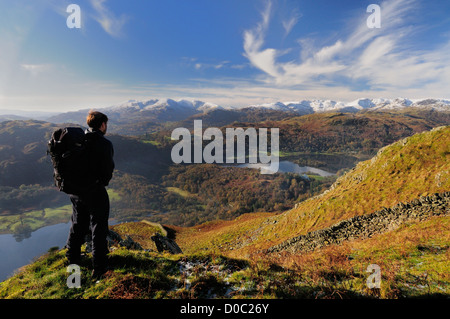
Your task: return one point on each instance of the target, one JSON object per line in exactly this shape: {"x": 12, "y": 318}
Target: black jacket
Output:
{"x": 101, "y": 153}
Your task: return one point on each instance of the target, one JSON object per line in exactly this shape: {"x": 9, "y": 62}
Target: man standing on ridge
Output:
{"x": 91, "y": 207}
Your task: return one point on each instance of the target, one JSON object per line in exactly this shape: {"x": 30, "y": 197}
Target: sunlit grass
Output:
{"x": 179, "y": 191}
{"x": 36, "y": 219}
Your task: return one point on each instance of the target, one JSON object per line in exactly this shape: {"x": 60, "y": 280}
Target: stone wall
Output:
{"x": 365, "y": 226}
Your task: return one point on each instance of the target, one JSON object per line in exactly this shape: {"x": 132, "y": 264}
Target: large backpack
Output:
{"x": 69, "y": 154}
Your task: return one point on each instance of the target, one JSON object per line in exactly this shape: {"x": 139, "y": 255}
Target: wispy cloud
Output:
{"x": 383, "y": 58}
{"x": 216, "y": 66}
{"x": 264, "y": 59}
{"x": 35, "y": 69}
{"x": 289, "y": 23}
{"x": 107, "y": 19}
{"x": 200, "y": 65}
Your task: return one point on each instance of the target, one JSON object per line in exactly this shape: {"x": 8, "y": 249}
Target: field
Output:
{"x": 32, "y": 220}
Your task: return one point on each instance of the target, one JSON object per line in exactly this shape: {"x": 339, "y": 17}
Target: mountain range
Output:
{"x": 176, "y": 110}
{"x": 155, "y": 110}
{"x": 380, "y": 104}
{"x": 163, "y": 110}
{"x": 313, "y": 106}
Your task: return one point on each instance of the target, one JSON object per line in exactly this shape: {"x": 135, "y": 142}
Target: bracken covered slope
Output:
{"x": 401, "y": 172}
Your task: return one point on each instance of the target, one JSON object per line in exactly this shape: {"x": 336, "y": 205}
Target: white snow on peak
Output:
{"x": 165, "y": 104}
{"x": 301, "y": 106}
{"x": 356, "y": 105}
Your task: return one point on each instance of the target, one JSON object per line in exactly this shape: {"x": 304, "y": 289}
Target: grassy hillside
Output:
{"x": 412, "y": 259}
{"x": 400, "y": 172}
{"x": 226, "y": 259}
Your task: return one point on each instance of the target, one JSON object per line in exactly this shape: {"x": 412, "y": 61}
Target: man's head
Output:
{"x": 97, "y": 121}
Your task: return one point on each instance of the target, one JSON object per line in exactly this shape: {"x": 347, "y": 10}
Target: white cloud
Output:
{"x": 382, "y": 59}
{"x": 253, "y": 42}
{"x": 221, "y": 64}
{"x": 290, "y": 23}
{"x": 110, "y": 23}
{"x": 197, "y": 65}
{"x": 35, "y": 69}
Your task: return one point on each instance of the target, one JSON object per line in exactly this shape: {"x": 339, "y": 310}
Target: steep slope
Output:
{"x": 368, "y": 225}
{"x": 413, "y": 261}
{"x": 413, "y": 258}
{"x": 401, "y": 172}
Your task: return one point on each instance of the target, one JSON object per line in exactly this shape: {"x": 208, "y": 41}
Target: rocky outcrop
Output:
{"x": 114, "y": 239}
{"x": 365, "y": 226}
{"x": 164, "y": 243}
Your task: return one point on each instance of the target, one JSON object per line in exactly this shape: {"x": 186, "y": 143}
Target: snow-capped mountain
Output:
{"x": 303, "y": 106}
{"x": 169, "y": 110}
{"x": 156, "y": 110}
{"x": 162, "y": 109}
{"x": 164, "y": 105}
{"x": 313, "y": 106}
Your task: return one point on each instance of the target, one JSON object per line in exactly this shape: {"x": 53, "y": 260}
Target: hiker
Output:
{"x": 91, "y": 206}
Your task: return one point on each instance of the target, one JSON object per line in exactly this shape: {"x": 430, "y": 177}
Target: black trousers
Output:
{"x": 89, "y": 211}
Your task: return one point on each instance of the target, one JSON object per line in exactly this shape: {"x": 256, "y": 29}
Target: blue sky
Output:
{"x": 228, "y": 52}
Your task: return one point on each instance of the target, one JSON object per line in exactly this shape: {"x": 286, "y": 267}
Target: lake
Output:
{"x": 290, "y": 167}
{"x": 16, "y": 254}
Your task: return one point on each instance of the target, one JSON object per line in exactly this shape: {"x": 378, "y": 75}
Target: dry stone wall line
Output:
{"x": 365, "y": 226}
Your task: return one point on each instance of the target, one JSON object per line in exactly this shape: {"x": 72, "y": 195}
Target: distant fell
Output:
{"x": 157, "y": 113}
